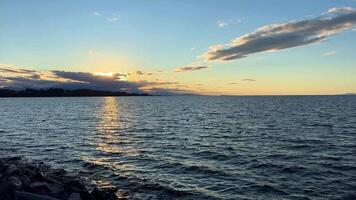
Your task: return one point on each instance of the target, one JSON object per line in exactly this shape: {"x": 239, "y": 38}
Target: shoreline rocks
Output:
{"x": 21, "y": 179}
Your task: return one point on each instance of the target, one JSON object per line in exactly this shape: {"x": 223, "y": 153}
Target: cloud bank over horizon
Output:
{"x": 19, "y": 79}
{"x": 276, "y": 37}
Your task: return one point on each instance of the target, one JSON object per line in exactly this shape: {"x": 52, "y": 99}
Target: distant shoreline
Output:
{"x": 54, "y": 92}
{"x": 58, "y": 92}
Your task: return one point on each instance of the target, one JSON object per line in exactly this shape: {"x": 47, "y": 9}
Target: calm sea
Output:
{"x": 292, "y": 147}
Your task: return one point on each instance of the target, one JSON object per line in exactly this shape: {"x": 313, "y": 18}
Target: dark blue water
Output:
{"x": 301, "y": 147}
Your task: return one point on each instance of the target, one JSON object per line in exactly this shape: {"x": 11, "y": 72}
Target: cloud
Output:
{"x": 276, "y": 37}
{"x": 110, "y": 18}
{"x": 15, "y": 71}
{"x": 113, "y": 18}
{"x": 222, "y": 23}
{"x": 188, "y": 69}
{"x": 139, "y": 73}
{"x": 30, "y": 79}
{"x": 233, "y": 83}
{"x": 249, "y": 80}
{"x": 96, "y": 13}
{"x": 329, "y": 53}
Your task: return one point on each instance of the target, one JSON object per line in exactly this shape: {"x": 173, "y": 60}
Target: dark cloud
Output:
{"x": 249, "y": 80}
{"x": 16, "y": 71}
{"x": 119, "y": 75}
{"x": 77, "y": 80}
{"x": 287, "y": 35}
{"x": 188, "y": 69}
{"x": 139, "y": 73}
{"x": 96, "y": 82}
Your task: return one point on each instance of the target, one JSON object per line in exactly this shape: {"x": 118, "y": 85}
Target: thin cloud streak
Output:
{"x": 222, "y": 23}
{"x": 330, "y": 53}
{"x": 249, "y": 80}
{"x": 189, "y": 69}
{"x": 276, "y": 37}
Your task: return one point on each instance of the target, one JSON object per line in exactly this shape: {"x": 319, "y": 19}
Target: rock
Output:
{"x": 15, "y": 181}
{"x": 76, "y": 184}
{"x": 28, "y": 171}
{"x": 11, "y": 169}
{"x": 31, "y": 196}
{"x": 74, "y": 196}
{"x": 44, "y": 188}
{"x": 55, "y": 188}
{"x": 84, "y": 195}
{"x": 7, "y": 191}
{"x": 60, "y": 172}
{"x": 40, "y": 176}
{"x": 25, "y": 181}
{"x": 108, "y": 194}
{"x": 39, "y": 188}
{"x": 37, "y": 181}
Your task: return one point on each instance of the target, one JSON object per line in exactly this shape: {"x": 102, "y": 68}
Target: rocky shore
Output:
{"x": 21, "y": 179}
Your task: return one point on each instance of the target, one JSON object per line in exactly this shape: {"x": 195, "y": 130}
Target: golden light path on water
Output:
{"x": 110, "y": 141}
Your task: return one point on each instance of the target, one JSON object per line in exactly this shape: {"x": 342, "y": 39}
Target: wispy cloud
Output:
{"x": 329, "y": 53}
{"x": 222, "y": 23}
{"x": 188, "y": 69}
{"x": 110, "y": 18}
{"x": 225, "y": 23}
{"x": 96, "y": 13}
{"x": 113, "y": 18}
{"x": 276, "y": 37}
{"x": 249, "y": 80}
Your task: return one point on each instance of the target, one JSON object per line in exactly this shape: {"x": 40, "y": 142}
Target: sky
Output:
{"x": 225, "y": 47}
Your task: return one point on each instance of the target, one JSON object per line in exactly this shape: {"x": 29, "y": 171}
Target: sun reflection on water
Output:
{"x": 114, "y": 145}
{"x": 111, "y": 139}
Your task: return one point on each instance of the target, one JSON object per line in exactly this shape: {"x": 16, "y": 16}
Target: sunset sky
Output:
{"x": 215, "y": 47}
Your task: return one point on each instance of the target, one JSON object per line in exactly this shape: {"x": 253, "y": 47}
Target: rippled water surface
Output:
{"x": 300, "y": 147}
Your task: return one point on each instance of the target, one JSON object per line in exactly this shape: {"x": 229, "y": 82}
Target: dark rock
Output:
{"x": 7, "y": 191}
{"x": 25, "y": 181}
{"x": 37, "y": 181}
{"x": 84, "y": 195}
{"x": 45, "y": 188}
{"x": 15, "y": 181}
{"x": 28, "y": 171}
{"x": 31, "y": 196}
{"x": 60, "y": 172}
{"x": 107, "y": 194}
{"x": 75, "y": 196}
{"x": 75, "y": 183}
{"x": 39, "y": 188}
{"x": 11, "y": 169}
{"x": 55, "y": 188}
{"x": 39, "y": 176}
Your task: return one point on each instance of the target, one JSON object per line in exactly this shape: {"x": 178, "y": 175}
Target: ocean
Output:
{"x": 192, "y": 147}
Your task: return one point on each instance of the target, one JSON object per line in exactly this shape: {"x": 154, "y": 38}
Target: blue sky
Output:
{"x": 126, "y": 36}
